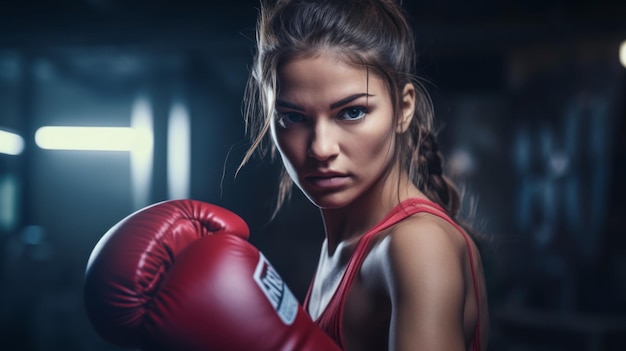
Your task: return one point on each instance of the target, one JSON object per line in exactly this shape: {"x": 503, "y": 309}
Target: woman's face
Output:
{"x": 334, "y": 128}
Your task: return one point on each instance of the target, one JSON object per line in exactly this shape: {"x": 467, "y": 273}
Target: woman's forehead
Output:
{"x": 327, "y": 74}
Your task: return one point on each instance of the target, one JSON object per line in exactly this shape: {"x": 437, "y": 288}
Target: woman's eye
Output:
{"x": 353, "y": 113}
{"x": 287, "y": 118}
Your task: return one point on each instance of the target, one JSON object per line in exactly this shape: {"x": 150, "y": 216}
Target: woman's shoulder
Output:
{"x": 422, "y": 247}
{"x": 424, "y": 234}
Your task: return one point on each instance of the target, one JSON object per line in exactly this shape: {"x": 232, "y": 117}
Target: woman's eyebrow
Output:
{"x": 334, "y": 105}
{"x": 347, "y": 100}
{"x": 282, "y": 103}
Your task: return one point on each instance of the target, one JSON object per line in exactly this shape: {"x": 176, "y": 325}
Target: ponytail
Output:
{"x": 430, "y": 168}
{"x": 419, "y": 152}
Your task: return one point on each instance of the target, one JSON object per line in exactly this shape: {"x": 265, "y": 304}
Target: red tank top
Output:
{"x": 331, "y": 318}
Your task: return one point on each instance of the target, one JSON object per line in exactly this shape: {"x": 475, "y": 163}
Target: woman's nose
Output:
{"x": 323, "y": 144}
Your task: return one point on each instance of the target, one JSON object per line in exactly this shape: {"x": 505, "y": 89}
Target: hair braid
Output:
{"x": 430, "y": 170}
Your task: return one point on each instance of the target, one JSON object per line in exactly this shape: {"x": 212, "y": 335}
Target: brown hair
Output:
{"x": 375, "y": 34}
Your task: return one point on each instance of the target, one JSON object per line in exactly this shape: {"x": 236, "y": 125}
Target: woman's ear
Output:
{"x": 407, "y": 107}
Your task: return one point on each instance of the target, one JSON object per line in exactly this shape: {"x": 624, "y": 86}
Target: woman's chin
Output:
{"x": 327, "y": 202}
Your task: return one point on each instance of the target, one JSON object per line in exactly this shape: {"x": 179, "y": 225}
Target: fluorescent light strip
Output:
{"x": 88, "y": 138}
{"x": 622, "y": 54}
{"x": 178, "y": 152}
{"x": 141, "y": 158}
{"x": 11, "y": 143}
{"x": 138, "y": 140}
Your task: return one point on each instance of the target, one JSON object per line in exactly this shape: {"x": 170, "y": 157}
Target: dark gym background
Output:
{"x": 530, "y": 96}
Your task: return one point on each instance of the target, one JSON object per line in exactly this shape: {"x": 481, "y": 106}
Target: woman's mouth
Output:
{"x": 327, "y": 182}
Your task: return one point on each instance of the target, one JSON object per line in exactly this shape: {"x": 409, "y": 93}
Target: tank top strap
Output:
{"x": 397, "y": 214}
{"x": 434, "y": 209}
{"x": 404, "y": 210}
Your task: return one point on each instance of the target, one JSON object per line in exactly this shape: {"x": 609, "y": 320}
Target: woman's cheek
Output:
{"x": 288, "y": 147}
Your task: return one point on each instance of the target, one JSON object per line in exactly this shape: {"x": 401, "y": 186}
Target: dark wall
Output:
{"x": 529, "y": 97}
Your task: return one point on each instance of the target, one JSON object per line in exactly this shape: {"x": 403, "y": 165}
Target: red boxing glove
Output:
{"x": 159, "y": 280}
{"x": 131, "y": 260}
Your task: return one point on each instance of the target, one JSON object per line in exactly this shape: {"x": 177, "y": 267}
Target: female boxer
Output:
{"x": 333, "y": 85}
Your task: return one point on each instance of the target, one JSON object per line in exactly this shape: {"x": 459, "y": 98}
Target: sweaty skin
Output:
{"x": 334, "y": 130}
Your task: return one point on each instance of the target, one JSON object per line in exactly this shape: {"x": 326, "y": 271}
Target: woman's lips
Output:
{"x": 328, "y": 181}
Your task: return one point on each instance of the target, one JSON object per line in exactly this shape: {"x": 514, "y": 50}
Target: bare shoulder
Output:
{"x": 422, "y": 263}
{"x": 425, "y": 268}
{"x": 422, "y": 250}
{"x": 425, "y": 238}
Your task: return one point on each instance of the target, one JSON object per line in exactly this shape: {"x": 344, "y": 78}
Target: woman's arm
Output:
{"x": 424, "y": 275}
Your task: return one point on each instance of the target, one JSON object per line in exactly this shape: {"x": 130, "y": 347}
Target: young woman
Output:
{"x": 333, "y": 86}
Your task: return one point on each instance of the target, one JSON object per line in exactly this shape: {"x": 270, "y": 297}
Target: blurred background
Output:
{"x": 529, "y": 95}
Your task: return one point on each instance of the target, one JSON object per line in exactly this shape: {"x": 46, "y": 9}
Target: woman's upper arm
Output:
{"x": 424, "y": 275}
